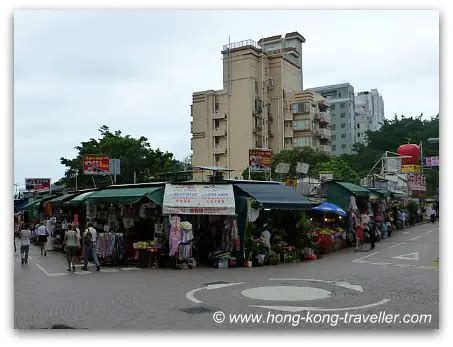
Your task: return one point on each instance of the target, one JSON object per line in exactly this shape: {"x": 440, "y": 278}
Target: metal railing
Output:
{"x": 240, "y": 44}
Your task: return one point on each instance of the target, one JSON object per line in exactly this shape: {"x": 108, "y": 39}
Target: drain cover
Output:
{"x": 197, "y": 310}
{"x": 212, "y": 283}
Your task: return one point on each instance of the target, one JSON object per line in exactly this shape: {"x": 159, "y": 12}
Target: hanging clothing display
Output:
{"x": 185, "y": 247}
{"x": 111, "y": 247}
{"x": 230, "y": 235}
{"x": 175, "y": 234}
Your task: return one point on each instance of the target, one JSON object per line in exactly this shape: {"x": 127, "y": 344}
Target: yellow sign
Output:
{"x": 410, "y": 169}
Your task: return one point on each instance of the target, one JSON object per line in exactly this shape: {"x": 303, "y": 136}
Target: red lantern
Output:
{"x": 410, "y": 150}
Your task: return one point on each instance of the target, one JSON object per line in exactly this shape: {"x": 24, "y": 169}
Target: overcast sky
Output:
{"x": 136, "y": 70}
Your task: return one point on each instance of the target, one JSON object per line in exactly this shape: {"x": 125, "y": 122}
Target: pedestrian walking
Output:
{"x": 43, "y": 233}
{"x": 433, "y": 215}
{"x": 403, "y": 219}
{"x": 25, "y": 236}
{"x": 89, "y": 243}
{"x": 71, "y": 241}
{"x": 365, "y": 219}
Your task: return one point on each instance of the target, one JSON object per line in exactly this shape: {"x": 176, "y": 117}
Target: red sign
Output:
{"x": 96, "y": 164}
{"x": 37, "y": 183}
{"x": 260, "y": 160}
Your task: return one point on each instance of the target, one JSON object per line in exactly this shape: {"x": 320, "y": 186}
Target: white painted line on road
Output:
{"x": 190, "y": 295}
{"x": 415, "y": 238}
{"x": 369, "y": 255}
{"x": 429, "y": 232}
{"x": 403, "y": 265}
{"x": 381, "y": 263}
{"x": 360, "y": 261}
{"x": 82, "y": 272}
{"x": 109, "y": 270}
{"x": 397, "y": 244}
{"x": 426, "y": 267}
{"x": 130, "y": 268}
{"x": 297, "y": 279}
{"x": 298, "y": 309}
{"x": 50, "y": 274}
{"x": 343, "y": 284}
{"x": 409, "y": 256}
{"x": 405, "y": 232}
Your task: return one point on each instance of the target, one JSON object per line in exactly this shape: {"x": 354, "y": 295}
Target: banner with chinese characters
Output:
{"x": 37, "y": 183}
{"x": 207, "y": 199}
{"x": 431, "y": 161}
{"x": 410, "y": 169}
{"x": 94, "y": 164}
{"x": 417, "y": 182}
{"x": 260, "y": 160}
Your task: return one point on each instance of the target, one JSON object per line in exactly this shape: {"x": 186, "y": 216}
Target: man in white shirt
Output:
{"x": 89, "y": 243}
{"x": 25, "y": 236}
{"x": 42, "y": 233}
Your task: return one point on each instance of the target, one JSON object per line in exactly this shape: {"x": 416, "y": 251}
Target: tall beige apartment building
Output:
{"x": 262, "y": 105}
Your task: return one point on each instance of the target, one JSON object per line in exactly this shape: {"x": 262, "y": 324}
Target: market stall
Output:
{"x": 125, "y": 217}
{"x": 269, "y": 221}
{"x": 203, "y": 224}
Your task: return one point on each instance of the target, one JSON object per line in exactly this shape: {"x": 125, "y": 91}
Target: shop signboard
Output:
{"x": 37, "y": 183}
{"x": 260, "y": 160}
{"x": 199, "y": 199}
{"x": 94, "y": 164}
{"x": 417, "y": 182}
{"x": 431, "y": 161}
{"x": 397, "y": 184}
{"x": 410, "y": 169}
{"x": 393, "y": 165}
{"x": 325, "y": 176}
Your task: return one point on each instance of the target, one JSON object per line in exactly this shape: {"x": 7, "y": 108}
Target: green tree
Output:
{"x": 340, "y": 169}
{"x": 136, "y": 155}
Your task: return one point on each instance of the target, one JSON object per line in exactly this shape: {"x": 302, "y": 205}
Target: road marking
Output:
{"x": 405, "y": 232}
{"x": 369, "y": 255}
{"x": 360, "y": 261}
{"x": 397, "y": 244}
{"x": 109, "y": 270}
{"x": 409, "y": 256}
{"x": 298, "y": 309}
{"x": 343, "y": 284}
{"x": 404, "y": 265}
{"x": 130, "y": 268}
{"x": 50, "y": 274}
{"x": 82, "y": 272}
{"x": 415, "y": 238}
{"x": 429, "y": 232}
{"x": 190, "y": 295}
{"x": 426, "y": 267}
{"x": 381, "y": 263}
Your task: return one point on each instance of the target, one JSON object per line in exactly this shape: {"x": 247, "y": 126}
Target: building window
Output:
{"x": 216, "y": 141}
{"x": 334, "y": 147}
{"x": 342, "y": 105}
{"x": 358, "y": 134}
{"x": 333, "y": 137}
{"x": 256, "y": 87}
{"x": 343, "y": 125}
{"x": 339, "y": 94}
{"x": 302, "y": 141}
{"x": 216, "y": 107}
{"x": 333, "y": 126}
{"x": 343, "y": 145}
{"x": 216, "y": 158}
{"x": 301, "y": 107}
{"x": 358, "y": 125}
{"x": 332, "y": 107}
{"x": 301, "y": 125}
{"x": 343, "y": 136}
{"x": 343, "y": 115}
{"x": 216, "y": 123}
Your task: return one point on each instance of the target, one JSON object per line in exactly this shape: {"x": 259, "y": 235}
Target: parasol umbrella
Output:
{"x": 330, "y": 208}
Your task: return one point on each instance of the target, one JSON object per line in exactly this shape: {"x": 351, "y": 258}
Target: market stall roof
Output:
{"x": 80, "y": 198}
{"x": 34, "y": 203}
{"x": 355, "y": 189}
{"x": 274, "y": 195}
{"x": 62, "y": 198}
{"x": 383, "y": 193}
{"x": 128, "y": 195}
{"x": 213, "y": 168}
{"x": 330, "y": 208}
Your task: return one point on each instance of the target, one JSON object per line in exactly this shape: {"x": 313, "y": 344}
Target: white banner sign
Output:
{"x": 207, "y": 199}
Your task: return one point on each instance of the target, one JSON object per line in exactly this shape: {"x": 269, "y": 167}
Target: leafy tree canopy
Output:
{"x": 136, "y": 155}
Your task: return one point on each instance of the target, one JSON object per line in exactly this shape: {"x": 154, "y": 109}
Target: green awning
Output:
{"x": 380, "y": 192}
{"x": 275, "y": 196}
{"x": 80, "y": 198}
{"x": 62, "y": 198}
{"x": 128, "y": 195}
{"x": 35, "y": 203}
{"x": 355, "y": 189}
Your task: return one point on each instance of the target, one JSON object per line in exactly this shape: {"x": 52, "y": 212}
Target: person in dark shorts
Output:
{"x": 42, "y": 237}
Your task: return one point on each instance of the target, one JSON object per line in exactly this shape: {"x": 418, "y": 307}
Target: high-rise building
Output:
{"x": 369, "y": 113}
{"x": 342, "y": 115}
{"x": 254, "y": 108}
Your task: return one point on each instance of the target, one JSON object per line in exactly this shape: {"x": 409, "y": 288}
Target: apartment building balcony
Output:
{"x": 219, "y": 115}
{"x": 324, "y": 134}
{"x": 325, "y": 148}
{"x": 219, "y": 149}
{"x": 219, "y": 132}
{"x": 289, "y": 132}
{"x": 288, "y": 116}
{"x": 324, "y": 117}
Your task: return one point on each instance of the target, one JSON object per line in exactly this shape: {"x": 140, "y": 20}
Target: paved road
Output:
{"x": 400, "y": 276}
